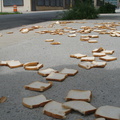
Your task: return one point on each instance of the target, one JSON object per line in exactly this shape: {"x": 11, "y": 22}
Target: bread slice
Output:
{"x": 32, "y": 66}
{"x": 46, "y": 72}
{"x": 24, "y": 30}
{"x": 69, "y": 72}
{"x": 81, "y": 106}
{"x": 93, "y": 36}
{"x": 85, "y": 65}
{"x": 35, "y": 101}
{"x": 77, "y": 55}
{"x": 108, "y": 58}
{"x": 99, "y": 64}
{"x": 49, "y": 40}
{"x": 55, "y": 43}
{"x": 83, "y": 95}
{"x": 108, "y": 112}
{"x": 56, "y": 76}
{"x": 88, "y": 59}
{"x": 3, "y": 63}
{"x": 72, "y": 35}
{"x": 38, "y": 86}
{"x": 54, "y": 109}
{"x": 98, "y": 50}
{"x": 108, "y": 51}
{"x": 14, "y": 64}
{"x": 85, "y": 39}
{"x": 3, "y": 99}
{"x": 98, "y": 54}
{"x": 92, "y": 41}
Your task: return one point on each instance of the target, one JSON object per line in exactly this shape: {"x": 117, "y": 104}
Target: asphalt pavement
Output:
{"x": 103, "y": 82}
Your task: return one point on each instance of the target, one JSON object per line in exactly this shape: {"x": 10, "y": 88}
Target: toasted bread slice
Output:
{"x": 55, "y": 43}
{"x": 83, "y": 95}
{"x": 98, "y": 50}
{"x": 88, "y": 59}
{"x": 108, "y": 58}
{"x": 99, "y": 64}
{"x": 99, "y": 54}
{"x": 92, "y": 41}
{"x": 54, "y": 109}
{"x": 69, "y": 72}
{"x": 46, "y": 72}
{"x": 77, "y": 55}
{"x": 35, "y": 101}
{"x": 84, "y": 38}
{"x": 49, "y": 40}
{"x": 56, "y": 76}
{"x": 14, "y": 64}
{"x": 85, "y": 65}
{"x": 108, "y": 112}
{"x": 32, "y": 66}
{"x": 38, "y": 86}
{"x": 81, "y": 106}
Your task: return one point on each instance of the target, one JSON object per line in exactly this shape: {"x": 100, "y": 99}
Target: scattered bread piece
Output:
{"x": 55, "y": 43}
{"x": 81, "y": 106}
{"x": 108, "y": 112}
{"x": 85, "y": 65}
{"x": 108, "y": 51}
{"x": 82, "y": 95}
{"x": 99, "y": 54}
{"x": 46, "y": 72}
{"x": 77, "y": 55}
{"x": 3, "y": 99}
{"x": 72, "y": 35}
{"x": 98, "y": 50}
{"x": 38, "y": 86}
{"x": 3, "y": 63}
{"x": 69, "y": 72}
{"x": 54, "y": 109}
{"x": 49, "y": 40}
{"x": 56, "y": 76}
{"x": 14, "y": 64}
{"x": 35, "y": 101}
{"x": 108, "y": 58}
{"x": 24, "y": 30}
{"x": 32, "y": 66}
{"x": 93, "y": 36}
{"x": 99, "y": 64}
{"x": 72, "y": 32}
{"x": 92, "y": 41}
{"x": 88, "y": 59}
{"x": 84, "y": 38}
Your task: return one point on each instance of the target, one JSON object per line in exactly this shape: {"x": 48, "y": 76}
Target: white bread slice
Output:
{"x": 81, "y": 106}
{"x": 98, "y": 54}
{"x": 108, "y": 51}
{"x": 38, "y": 86}
{"x": 92, "y": 41}
{"x": 54, "y": 109}
{"x": 77, "y": 55}
{"x": 32, "y": 66}
{"x": 108, "y": 58}
{"x": 35, "y": 101}
{"x": 85, "y": 65}
{"x": 83, "y": 95}
{"x": 14, "y": 64}
{"x": 100, "y": 119}
{"x": 69, "y": 72}
{"x": 3, "y": 63}
{"x": 99, "y": 64}
{"x": 49, "y": 40}
{"x": 72, "y": 35}
{"x": 108, "y": 112}
{"x": 24, "y": 30}
{"x": 55, "y": 43}
{"x": 46, "y": 72}
{"x": 84, "y": 36}
{"x": 56, "y": 76}
{"x": 98, "y": 50}
{"x": 85, "y": 39}
{"x": 93, "y": 36}
{"x": 88, "y": 59}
